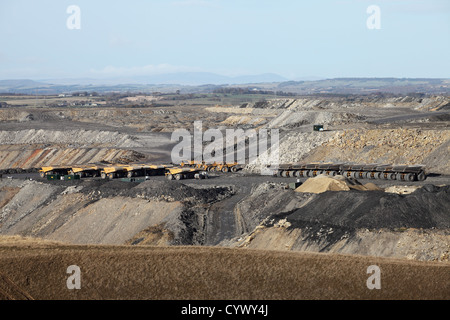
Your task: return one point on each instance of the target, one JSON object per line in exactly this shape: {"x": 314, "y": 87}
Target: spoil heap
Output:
{"x": 323, "y": 183}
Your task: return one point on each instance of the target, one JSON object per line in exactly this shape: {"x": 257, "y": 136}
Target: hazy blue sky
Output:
{"x": 296, "y": 39}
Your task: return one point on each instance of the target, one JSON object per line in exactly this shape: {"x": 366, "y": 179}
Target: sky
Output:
{"x": 41, "y": 39}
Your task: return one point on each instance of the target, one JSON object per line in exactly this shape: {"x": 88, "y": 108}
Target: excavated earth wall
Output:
{"x": 414, "y": 225}
{"x": 397, "y": 146}
{"x": 106, "y": 212}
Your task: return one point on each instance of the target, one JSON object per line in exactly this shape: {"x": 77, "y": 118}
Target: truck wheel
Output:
{"x": 410, "y": 177}
{"x": 169, "y": 176}
{"x": 392, "y": 176}
{"x": 225, "y": 169}
{"x": 233, "y": 169}
{"x": 421, "y": 176}
{"x": 178, "y": 176}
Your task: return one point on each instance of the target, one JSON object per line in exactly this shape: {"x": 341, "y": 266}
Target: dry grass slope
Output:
{"x": 38, "y": 270}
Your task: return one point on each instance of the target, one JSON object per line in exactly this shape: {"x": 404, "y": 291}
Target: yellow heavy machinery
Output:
{"x": 214, "y": 166}
{"x": 86, "y": 171}
{"x": 112, "y": 172}
{"x": 135, "y": 170}
{"x": 179, "y": 173}
{"x": 195, "y": 164}
{"x": 226, "y": 167}
{"x": 53, "y": 170}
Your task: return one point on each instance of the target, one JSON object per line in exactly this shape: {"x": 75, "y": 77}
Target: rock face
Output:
{"x": 12, "y": 158}
{"x": 106, "y": 212}
{"x": 357, "y": 129}
{"x": 79, "y": 138}
{"x": 396, "y": 146}
{"x": 413, "y": 146}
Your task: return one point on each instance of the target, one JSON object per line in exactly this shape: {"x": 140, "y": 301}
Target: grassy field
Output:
{"x": 38, "y": 270}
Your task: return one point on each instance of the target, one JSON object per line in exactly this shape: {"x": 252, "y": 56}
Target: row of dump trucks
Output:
{"x": 198, "y": 170}
{"x": 105, "y": 171}
{"x": 213, "y": 166}
{"x": 186, "y": 170}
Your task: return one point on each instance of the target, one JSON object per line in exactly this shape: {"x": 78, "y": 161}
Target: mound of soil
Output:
{"x": 426, "y": 207}
{"x": 324, "y": 183}
{"x": 375, "y": 223}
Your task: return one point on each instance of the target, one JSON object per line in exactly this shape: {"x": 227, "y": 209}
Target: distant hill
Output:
{"x": 20, "y": 83}
{"x": 367, "y": 86}
{"x": 206, "y": 82}
{"x": 179, "y": 78}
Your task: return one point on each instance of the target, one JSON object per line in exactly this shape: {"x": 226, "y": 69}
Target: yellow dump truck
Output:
{"x": 136, "y": 170}
{"x": 86, "y": 171}
{"x": 180, "y": 173}
{"x": 112, "y": 172}
{"x": 133, "y": 170}
{"x": 214, "y": 166}
{"x": 44, "y": 171}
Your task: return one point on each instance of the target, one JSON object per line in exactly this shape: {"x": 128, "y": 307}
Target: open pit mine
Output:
{"x": 360, "y": 181}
